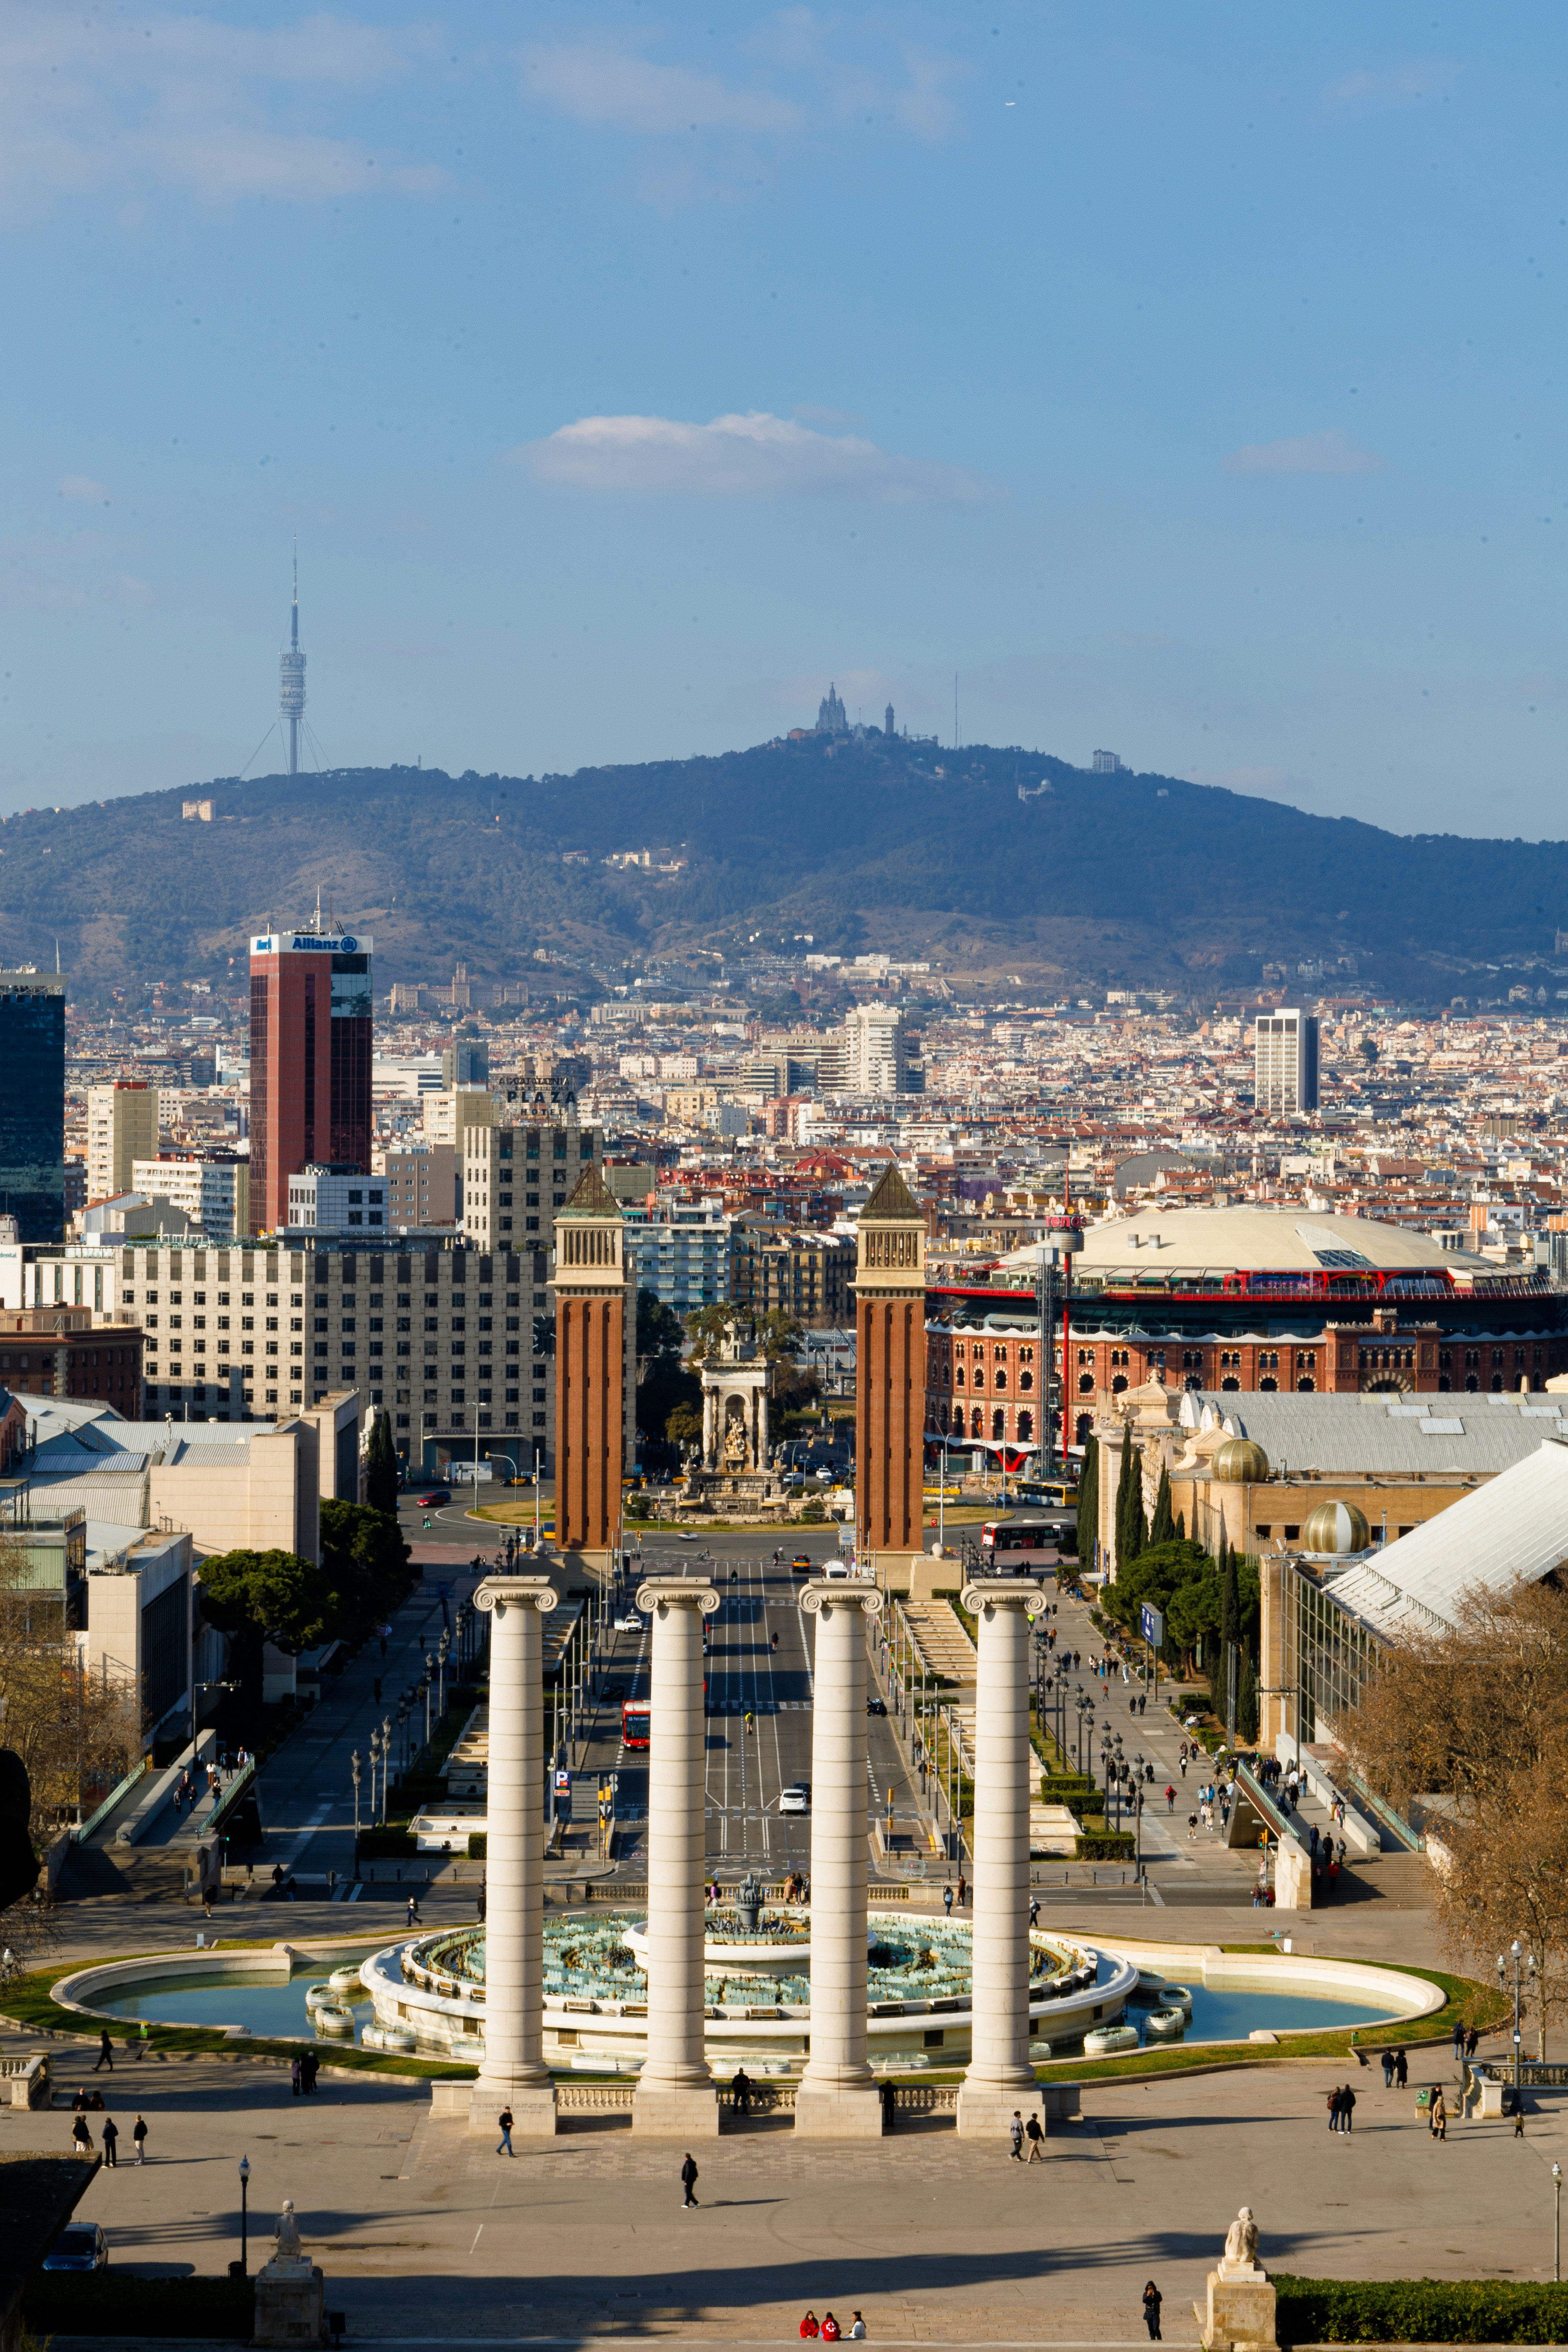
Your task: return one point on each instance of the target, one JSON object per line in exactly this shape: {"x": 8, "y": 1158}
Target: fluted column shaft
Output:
{"x": 514, "y": 2072}
{"x": 838, "y": 2092}
{"x": 999, "y": 2076}
{"x": 675, "y": 2091}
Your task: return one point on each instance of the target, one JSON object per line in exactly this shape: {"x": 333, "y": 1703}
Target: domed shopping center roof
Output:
{"x": 1256, "y": 1239}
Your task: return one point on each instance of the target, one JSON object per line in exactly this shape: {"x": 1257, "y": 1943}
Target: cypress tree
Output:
{"x": 1163, "y": 1529}
{"x": 1246, "y": 1699}
{"x": 380, "y": 1468}
{"x": 1131, "y": 1533}
{"x": 1229, "y": 1628}
{"x": 1088, "y": 1502}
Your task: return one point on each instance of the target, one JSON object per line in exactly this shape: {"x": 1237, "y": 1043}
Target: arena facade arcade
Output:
{"x": 1249, "y": 1299}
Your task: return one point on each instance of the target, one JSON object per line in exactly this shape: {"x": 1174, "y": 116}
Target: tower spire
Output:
{"x": 291, "y": 680}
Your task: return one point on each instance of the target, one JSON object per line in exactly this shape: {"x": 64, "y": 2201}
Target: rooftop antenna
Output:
{"x": 955, "y": 710}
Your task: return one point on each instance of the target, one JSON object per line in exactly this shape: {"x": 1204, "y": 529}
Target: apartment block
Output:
{"x": 682, "y": 1254}
{"x": 121, "y": 1129}
{"x": 335, "y": 1201}
{"x": 1285, "y": 1060}
{"x": 213, "y": 1189}
{"x": 424, "y": 1183}
{"x": 515, "y": 1178}
{"x": 805, "y": 1274}
{"x": 447, "y": 1112}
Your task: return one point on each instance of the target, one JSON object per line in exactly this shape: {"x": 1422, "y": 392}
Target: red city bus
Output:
{"x": 636, "y": 1716}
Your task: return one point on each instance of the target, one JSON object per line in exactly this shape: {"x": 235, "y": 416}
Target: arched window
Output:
{"x": 958, "y": 1377}
{"x": 1086, "y": 1384}
{"x": 1001, "y": 1380}
{"x": 1471, "y": 1383}
{"x": 1025, "y": 1427}
{"x": 1306, "y": 1385}
{"x": 1269, "y": 1383}
{"x": 998, "y": 1423}
{"x": 1026, "y": 1382}
{"x": 974, "y": 1420}
{"x": 1231, "y": 1384}
{"x": 1118, "y": 1384}
{"x": 1497, "y": 1383}
{"x": 1085, "y": 1427}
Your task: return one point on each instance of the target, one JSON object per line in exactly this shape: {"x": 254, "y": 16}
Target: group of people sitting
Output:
{"x": 829, "y": 2329}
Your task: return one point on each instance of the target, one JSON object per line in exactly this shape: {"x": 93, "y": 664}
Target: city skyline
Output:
{"x": 1236, "y": 456}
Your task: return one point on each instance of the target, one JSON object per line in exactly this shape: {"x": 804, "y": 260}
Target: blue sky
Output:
{"x": 1189, "y": 381}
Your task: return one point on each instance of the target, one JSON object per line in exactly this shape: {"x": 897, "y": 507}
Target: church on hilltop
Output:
{"x": 833, "y": 719}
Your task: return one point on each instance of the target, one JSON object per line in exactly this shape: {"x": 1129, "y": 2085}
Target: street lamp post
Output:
{"x": 1516, "y": 1953}
{"x": 244, "y": 2216}
{"x": 443, "y": 1651}
{"x": 429, "y": 1679}
{"x": 355, "y": 1769}
{"x": 373, "y": 1745}
{"x": 1557, "y": 2222}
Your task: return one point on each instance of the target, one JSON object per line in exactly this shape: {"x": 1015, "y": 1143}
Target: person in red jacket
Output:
{"x": 830, "y": 2329}
{"x": 808, "y": 2326}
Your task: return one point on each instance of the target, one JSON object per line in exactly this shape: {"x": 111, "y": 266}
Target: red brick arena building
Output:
{"x": 1235, "y": 1298}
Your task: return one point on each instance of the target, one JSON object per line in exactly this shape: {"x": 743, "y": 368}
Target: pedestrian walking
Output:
{"x": 1192, "y": 1829}
{"x": 504, "y": 2120}
{"x": 1401, "y": 2069}
{"x": 82, "y": 2135}
{"x": 110, "y": 2142}
{"x": 1458, "y": 2037}
{"x": 947, "y": 1900}
{"x": 1015, "y": 2136}
{"x": 962, "y": 1890}
{"x": 1333, "y": 1877}
{"x": 1334, "y": 2109}
{"x": 1518, "y": 2114}
{"x": 141, "y": 2042}
{"x": 1169, "y": 1798}
{"x": 1347, "y": 2110}
{"x": 138, "y": 2134}
{"x": 890, "y": 2107}
{"x": 105, "y": 2052}
{"x": 1143, "y": 1701}
{"x": 1034, "y": 1910}
{"x": 1037, "y": 2140}
{"x": 310, "y": 2067}
{"x": 413, "y": 1919}
{"x": 740, "y": 2088}
{"x": 295, "y": 2075}
{"x": 1153, "y": 2299}
{"x": 1388, "y": 2070}
{"x": 1438, "y": 2116}
{"x": 1472, "y": 2039}
{"x": 689, "y": 2183}
{"x": 479, "y": 1902}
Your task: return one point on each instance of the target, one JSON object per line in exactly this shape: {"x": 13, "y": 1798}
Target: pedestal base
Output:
{"x": 532, "y": 2108}
{"x": 827, "y": 2112}
{"x": 987, "y": 2112}
{"x": 690, "y": 2113}
{"x": 1240, "y": 2314}
{"x": 290, "y": 2303}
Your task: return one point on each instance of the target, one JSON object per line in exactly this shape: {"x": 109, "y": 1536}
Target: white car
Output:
{"x": 796, "y": 1799}
{"x": 629, "y": 1624}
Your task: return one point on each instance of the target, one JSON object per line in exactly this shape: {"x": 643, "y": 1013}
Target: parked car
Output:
{"x": 875, "y": 1706}
{"x": 435, "y": 1495}
{"x": 796, "y": 1799}
{"x": 801, "y": 1564}
{"x": 82, "y": 2247}
{"x": 628, "y": 1621}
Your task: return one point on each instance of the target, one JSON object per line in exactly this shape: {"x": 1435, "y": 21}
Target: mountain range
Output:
{"x": 990, "y": 864}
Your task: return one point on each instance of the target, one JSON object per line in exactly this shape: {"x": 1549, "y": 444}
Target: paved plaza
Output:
{"x": 425, "y": 2232}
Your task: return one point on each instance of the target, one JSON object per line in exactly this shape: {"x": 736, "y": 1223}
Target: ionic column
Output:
{"x": 1000, "y": 2077}
{"x": 838, "y": 2098}
{"x": 675, "y": 2094}
{"x": 513, "y": 2072}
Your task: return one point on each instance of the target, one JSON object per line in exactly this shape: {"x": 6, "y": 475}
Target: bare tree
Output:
{"x": 72, "y": 1732}
{"x": 1478, "y": 1713}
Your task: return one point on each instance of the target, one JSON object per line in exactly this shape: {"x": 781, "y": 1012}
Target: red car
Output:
{"x": 437, "y": 1494}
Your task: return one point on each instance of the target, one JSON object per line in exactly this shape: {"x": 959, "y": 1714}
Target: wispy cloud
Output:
{"x": 757, "y": 456}
{"x": 615, "y": 89}
{"x": 1306, "y": 453}
{"x": 93, "y": 103}
{"x": 83, "y": 487}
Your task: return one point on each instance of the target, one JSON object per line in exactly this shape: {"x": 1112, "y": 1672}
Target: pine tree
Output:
{"x": 380, "y": 1468}
{"x": 1088, "y": 1502}
{"x": 1163, "y": 1529}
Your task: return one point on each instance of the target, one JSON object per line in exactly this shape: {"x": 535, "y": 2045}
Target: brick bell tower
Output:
{"x": 594, "y": 1319}
{"x": 890, "y": 1412}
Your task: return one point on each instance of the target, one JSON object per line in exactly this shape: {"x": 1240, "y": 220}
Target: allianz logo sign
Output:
{"x": 345, "y": 946}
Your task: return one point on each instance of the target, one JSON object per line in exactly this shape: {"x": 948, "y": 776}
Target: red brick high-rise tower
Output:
{"x": 593, "y": 1320}
{"x": 311, "y": 1050}
{"x": 889, "y": 1413}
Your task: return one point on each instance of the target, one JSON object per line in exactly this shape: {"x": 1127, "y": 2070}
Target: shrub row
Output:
{"x": 106, "y": 2302}
{"x": 1420, "y": 2311}
{"x": 1106, "y": 1845}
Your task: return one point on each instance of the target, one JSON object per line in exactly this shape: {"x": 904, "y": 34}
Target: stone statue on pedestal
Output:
{"x": 290, "y": 2292}
{"x": 1240, "y": 2316}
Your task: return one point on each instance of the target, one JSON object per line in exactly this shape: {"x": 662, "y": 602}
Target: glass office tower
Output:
{"x": 33, "y": 1103}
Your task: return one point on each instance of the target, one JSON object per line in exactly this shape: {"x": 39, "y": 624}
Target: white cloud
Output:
{"x": 83, "y": 487}
{"x": 753, "y": 456}
{"x": 611, "y": 88}
{"x": 121, "y": 105}
{"x": 1306, "y": 453}
{"x": 1397, "y": 85}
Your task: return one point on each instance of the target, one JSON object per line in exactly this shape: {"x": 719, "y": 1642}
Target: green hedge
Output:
{"x": 106, "y": 2302}
{"x": 1420, "y": 2311}
{"x": 479, "y": 1845}
{"x": 386, "y": 1845}
{"x": 1106, "y": 1845}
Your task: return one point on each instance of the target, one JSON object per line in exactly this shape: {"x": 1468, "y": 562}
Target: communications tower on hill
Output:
{"x": 291, "y": 680}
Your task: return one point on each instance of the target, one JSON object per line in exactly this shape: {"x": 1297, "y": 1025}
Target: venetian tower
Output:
{"x": 594, "y": 1413}
{"x": 889, "y": 1413}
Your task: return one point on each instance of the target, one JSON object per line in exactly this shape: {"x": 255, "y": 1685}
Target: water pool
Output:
{"x": 266, "y": 2005}
{"x": 1230, "y": 2013}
